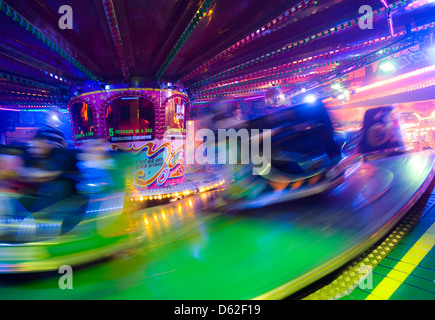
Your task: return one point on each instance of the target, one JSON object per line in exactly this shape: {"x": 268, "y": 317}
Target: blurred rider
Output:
{"x": 95, "y": 165}
{"x": 49, "y": 170}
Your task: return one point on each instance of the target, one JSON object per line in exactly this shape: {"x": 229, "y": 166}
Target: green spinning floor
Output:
{"x": 188, "y": 251}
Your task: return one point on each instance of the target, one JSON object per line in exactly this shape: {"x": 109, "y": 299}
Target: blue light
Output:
{"x": 310, "y": 98}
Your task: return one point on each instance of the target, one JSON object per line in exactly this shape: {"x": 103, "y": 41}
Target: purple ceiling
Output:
{"x": 118, "y": 41}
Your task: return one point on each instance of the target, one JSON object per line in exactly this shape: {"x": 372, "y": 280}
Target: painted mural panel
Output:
{"x": 154, "y": 164}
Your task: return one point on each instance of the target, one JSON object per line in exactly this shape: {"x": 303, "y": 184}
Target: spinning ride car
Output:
{"x": 37, "y": 234}
{"x": 306, "y": 158}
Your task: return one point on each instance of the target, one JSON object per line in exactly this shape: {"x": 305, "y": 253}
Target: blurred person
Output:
{"x": 10, "y": 162}
{"x": 224, "y": 115}
{"x": 95, "y": 166}
{"x": 381, "y": 130}
{"x": 417, "y": 146}
{"x": 102, "y": 183}
{"x": 238, "y": 115}
{"x": 49, "y": 170}
{"x": 210, "y": 119}
{"x": 426, "y": 145}
{"x": 12, "y": 212}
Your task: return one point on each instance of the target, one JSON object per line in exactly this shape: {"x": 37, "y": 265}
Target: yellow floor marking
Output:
{"x": 404, "y": 267}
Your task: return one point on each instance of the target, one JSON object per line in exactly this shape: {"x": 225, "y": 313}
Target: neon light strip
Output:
{"x": 253, "y": 98}
{"x": 258, "y": 84}
{"x": 254, "y": 35}
{"x": 45, "y": 73}
{"x": 116, "y": 35}
{"x": 263, "y": 75}
{"x": 337, "y": 28}
{"x": 15, "y": 16}
{"x": 296, "y": 44}
{"x": 397, "y": 78}
{"x": 427, "y": 80}
{"x": 192, "y": 24}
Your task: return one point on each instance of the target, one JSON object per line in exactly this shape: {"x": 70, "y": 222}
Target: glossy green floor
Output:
{"x": 187, "y": 251}
{"x": 408, "y": 272}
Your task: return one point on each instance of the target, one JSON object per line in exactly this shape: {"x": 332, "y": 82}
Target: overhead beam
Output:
{"x": 116, "y": 36}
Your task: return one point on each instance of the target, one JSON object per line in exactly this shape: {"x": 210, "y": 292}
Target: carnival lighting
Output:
{"x": 336, "y": 86}
{"x": 398, "y": 78}
{"x": 387, "y": 66}
{"x": 411, "y": 81}
{"x": 310, "y": 98}
{"x": 177, "y": 195}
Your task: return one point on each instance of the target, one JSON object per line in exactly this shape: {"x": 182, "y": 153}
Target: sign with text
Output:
{"x": 84, "y": 126}
{"x": 155, "y": 164}
{"x": 176, "y": 118}
{"x": 130, "y": 119}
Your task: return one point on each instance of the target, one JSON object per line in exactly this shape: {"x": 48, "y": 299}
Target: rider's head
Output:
{"x": 46, "y": 140}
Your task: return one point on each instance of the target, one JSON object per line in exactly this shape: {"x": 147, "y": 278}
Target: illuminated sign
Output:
{"x": 130, "y": 119}
{"x": 175, "y": 118}
{"x": 82, "y": 136}
{"x": 155, "y": 164}
{"x": 83, "y": 121}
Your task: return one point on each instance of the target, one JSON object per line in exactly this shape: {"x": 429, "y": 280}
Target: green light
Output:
{"x": 336, "y": 86}
{"x": 387, "y": 66}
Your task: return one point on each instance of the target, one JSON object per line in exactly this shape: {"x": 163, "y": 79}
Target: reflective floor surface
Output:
{"x": 187, "y": 250}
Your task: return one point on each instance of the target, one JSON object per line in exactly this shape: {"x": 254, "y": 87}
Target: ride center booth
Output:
{"x": 149, "y": 126}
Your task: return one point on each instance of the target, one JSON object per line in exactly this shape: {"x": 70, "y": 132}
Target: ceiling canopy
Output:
{"x": 220, "y": 47}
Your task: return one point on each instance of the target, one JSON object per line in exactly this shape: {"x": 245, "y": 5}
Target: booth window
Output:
{"x": 83, "y": 121}
{"x": 176, "y": 118}
{"x": 130, "y": 119}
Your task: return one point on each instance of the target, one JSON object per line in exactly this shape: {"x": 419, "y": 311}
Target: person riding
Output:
{"x": 49, "y": 170}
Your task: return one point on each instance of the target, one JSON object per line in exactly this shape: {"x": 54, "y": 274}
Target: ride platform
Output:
{"x": 190, "y": 251}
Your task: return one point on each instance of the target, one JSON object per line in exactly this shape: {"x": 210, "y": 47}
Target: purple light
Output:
{"x": 385, "y": 3}
{"x": 253, "y": 98}
{"x": 213, "y": 104}
{"x": 5, "y": 109}
{"x": 390, "y": 17}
